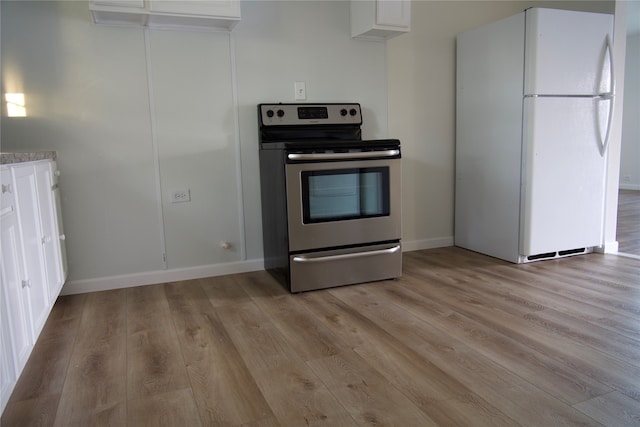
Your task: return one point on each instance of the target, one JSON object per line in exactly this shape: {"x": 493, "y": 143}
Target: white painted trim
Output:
{"x": 626, "y": 255}
{"x": 188, "y": 273}
{"x": 154, "y": 147}
{"x": 608, "y": 248}
{"x": 629, "y": 186}
{"x": 160, "y": 276}
{"x": 436, "y": 242}
{"x": 238, "y": 149}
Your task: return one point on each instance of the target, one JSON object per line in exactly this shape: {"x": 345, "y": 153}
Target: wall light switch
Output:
{"x": 300, "y": 91}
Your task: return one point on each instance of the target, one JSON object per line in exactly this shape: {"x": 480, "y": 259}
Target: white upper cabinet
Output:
{"x": 120, "y": 3}
{"x": 380, "y": 19}
{"x": 168, "y": 14}
{"x": 229, "y": 8}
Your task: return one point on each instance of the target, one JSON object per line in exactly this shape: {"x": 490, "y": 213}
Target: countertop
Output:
{"x": 26, "y": 156}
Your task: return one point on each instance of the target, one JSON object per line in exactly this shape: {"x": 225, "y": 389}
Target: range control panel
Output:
{"x": 309, "y": 114}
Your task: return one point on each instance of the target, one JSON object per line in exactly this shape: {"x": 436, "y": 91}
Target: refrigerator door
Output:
{"x": 563, "y": 175}
{"x": 566, "y": 53}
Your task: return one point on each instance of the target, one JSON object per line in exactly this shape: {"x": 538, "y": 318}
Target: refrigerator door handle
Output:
{"x": 608, "y": 96}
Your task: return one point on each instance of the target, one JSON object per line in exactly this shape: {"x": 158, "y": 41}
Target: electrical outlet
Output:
{"x": 180, "y": 196}
{"x": 626, "y": 178}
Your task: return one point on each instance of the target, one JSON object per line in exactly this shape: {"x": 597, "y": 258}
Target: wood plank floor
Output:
{"x": 629, "y": 222}
{"x": 461, "y": 339}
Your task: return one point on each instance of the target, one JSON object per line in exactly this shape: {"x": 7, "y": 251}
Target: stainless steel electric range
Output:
{"x": 331, "y": 207}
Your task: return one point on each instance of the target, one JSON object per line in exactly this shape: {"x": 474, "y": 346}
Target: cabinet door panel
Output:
{"x": 137, "y": 4}
{"x": 60, "y": 228}
{"x": 49, "y": 228}
{"x": 395, "y": 13}
{"x": 229, "y": 8}
{"x": 16, "y": 333}
{"x": 28, "y": 211}
{"x": 8, "y": 375}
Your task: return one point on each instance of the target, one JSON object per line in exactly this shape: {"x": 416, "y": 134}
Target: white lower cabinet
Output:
{"x": 32, "y": 265}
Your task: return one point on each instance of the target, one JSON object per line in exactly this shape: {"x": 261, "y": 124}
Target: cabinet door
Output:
{"x": 229, "y": 8}
{"x": 64, "y": 266}
{"x": 16, "y": 332}
{"x": 380, "y": 19}
{"x": 139, "y": 4}
{"x": 118, "y": 12}
{"x": 49, "y": 230}
{"x": 8, "y": 375}
{"x": 395, "y": 13}
{"x": 26, "y": 192}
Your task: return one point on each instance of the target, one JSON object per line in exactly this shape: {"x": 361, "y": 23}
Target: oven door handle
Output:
{"x": 388, "y": 251}
{"x": 343, "y": 156}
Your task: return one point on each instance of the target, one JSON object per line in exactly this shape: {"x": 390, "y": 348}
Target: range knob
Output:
{"x": 353, "y": 112}
{"x": 343, "y": 112}
{"x": 269, "y": 113}
{"x": 280, "y": 113}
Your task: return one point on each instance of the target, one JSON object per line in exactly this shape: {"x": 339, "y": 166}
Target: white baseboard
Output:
{"x": 417, "y": 245}
{"x": 634, "y": 256}
{"x": 629, "y": 186}
{"x": 172, "y": 275}
{"x": 160, "y": 276}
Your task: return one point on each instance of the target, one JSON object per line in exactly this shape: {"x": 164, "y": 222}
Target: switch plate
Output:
{"x": 180, "y": 196}
{"x": 300, "y": 91}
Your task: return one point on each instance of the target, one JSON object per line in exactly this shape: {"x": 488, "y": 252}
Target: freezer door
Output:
{"x": 566, "y": 53}
{"x": 563, "y": 175}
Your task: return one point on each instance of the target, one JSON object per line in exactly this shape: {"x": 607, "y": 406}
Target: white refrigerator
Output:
{"x": 534, "y": 102}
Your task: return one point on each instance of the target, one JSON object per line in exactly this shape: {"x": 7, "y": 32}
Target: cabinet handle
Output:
{"x": 26, "y": 283}
{"x": 57, "y": 173}
{"x": 63, "y": 237}
{"x": 6, "y": 188}
{"x": 6, "y": 210}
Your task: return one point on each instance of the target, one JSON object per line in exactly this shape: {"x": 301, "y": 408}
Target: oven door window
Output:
{"x": 335, "y": 195}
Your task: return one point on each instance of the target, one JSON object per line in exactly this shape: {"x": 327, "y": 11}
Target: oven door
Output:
{"x": 342, "y": 199}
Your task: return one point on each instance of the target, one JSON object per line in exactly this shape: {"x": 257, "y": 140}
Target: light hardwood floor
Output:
{"x": 629, "y": 221}
{"x": 461, "y": 339}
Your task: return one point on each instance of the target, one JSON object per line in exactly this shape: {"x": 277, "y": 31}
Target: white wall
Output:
{"x": 136, "y": 114}
{"x": 421, "y": 80}
{"x": 87, "y": 97}
{"x": 630, "y": 155}
{"x": 422, "y": 73}
{"x": 278, "y": 43}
